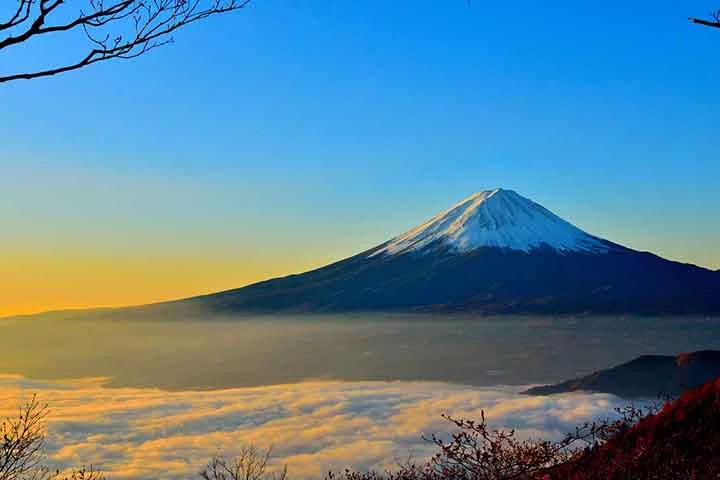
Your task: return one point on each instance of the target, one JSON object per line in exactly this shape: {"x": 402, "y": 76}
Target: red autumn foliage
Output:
{"x": 680, "y": 441}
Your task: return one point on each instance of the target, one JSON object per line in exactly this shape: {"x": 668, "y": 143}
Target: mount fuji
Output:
{"x": 497, "y": 219}
{"x": 494, "y": 252}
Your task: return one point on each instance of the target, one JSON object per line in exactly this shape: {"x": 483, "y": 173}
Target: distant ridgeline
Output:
{"x": 646, "y": 376}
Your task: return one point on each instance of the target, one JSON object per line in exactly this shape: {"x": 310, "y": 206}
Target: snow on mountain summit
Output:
{"x": 495, "y": 218}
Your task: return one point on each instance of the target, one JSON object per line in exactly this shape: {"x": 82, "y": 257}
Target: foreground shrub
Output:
{"x": 250, "y": 463}
{"x": 680, "y": 441}
{"x": 22, "y": 448}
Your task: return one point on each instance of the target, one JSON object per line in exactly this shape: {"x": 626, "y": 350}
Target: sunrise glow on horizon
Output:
{"x": 332, "y": 128}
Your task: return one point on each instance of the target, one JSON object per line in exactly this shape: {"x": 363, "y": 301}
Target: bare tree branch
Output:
{"x": 120, "y": 29}
{"x": 713, "y": 22}
{"x": 22, "y": 448}
{"x": 21, "y": 14}
{"x": 250, "y": 463}
{"x": 22, "y": 439}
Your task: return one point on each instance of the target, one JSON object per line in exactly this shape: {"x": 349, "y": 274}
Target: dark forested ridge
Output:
{"x": 645, "y": 376}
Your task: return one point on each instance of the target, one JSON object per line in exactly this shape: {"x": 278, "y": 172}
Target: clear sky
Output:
{"x": 293, "y": 133}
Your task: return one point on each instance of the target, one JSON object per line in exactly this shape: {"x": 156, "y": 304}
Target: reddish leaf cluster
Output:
{"x": 679, "y": 441}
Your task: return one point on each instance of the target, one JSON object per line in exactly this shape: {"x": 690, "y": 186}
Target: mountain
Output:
{"x": 495, "y": 219}
{"x": 645, "y": 376}
{"x": 494, "y": 252}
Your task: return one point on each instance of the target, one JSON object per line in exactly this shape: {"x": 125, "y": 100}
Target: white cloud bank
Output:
{"x": 142, "y": 433}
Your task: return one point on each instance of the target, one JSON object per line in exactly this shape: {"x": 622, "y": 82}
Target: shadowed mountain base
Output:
{"x": 645, "y": 376}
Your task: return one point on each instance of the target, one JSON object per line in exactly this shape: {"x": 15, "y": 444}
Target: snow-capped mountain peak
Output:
{"x": 495, "y": 218}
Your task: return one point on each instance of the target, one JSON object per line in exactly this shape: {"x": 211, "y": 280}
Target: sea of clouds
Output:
{"x": 313, "y": 426}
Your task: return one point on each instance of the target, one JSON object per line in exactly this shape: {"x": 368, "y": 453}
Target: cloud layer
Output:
{"x": 142, "y": 433}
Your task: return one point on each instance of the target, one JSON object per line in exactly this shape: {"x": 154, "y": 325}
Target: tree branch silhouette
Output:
{"x": 713, "y": 22}
{"x": 116, "y": 29}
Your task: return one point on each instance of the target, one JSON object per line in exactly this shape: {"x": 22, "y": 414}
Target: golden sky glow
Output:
{"x": 79, "y": 238}
{"x": 36, "y": 283}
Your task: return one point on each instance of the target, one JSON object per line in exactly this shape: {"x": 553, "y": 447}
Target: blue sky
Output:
{"x": 294, "y": 133}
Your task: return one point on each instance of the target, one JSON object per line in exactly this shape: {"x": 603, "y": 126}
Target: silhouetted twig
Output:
{"x": 114, "y": 29}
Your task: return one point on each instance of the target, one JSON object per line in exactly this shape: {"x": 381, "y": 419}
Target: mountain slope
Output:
{"x": 495, "y": 252}
{"x": 645, "y": 376}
